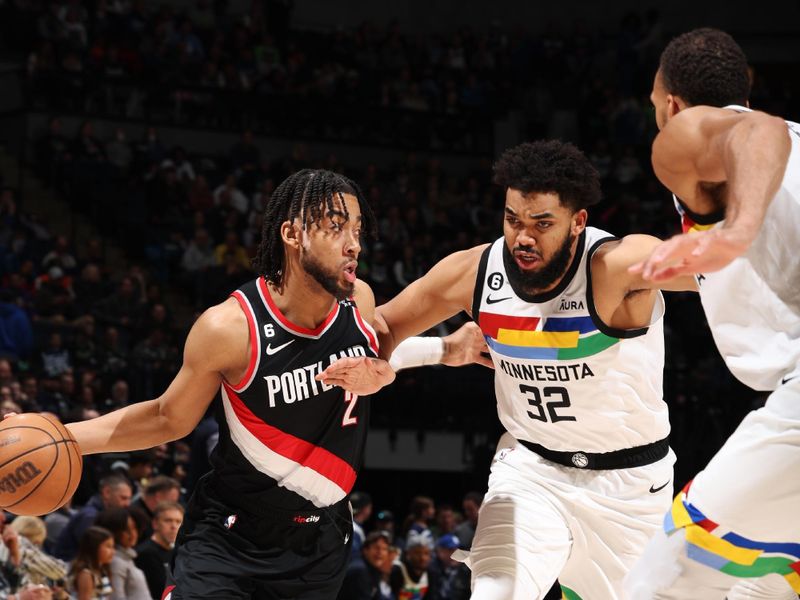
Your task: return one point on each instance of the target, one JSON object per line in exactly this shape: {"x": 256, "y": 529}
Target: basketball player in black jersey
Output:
{"x": 271, "y": 520}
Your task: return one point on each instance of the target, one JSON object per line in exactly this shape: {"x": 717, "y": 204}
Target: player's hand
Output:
{"x": 362, "y": 376}
{"x": 466, "y": 346}
{"x": 11, "y": 414}
{"x": 693, "y": 253}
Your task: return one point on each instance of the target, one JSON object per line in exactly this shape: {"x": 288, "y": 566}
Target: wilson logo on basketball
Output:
{"x": 12, "y": 439}
{"x": 24, "y": 474}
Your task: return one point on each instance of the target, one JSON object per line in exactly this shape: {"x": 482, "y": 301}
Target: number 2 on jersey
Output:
{"x": 351, "y": 400}
{"x": 534, "y": 397}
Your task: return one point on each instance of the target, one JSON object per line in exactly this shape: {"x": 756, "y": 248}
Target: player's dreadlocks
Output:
{"x": 308, "y": 194}
{"x": 706, "y": 66}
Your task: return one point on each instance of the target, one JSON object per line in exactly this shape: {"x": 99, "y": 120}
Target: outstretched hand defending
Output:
{"x": 362, "y": 376}
{"x": 465, "y": 346}
{"x": 693, "y": 253}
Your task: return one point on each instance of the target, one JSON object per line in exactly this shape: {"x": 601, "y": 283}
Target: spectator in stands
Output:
{"x": 364, "y": 579}
{"x": 127, "y": 580}
{"x": 157, "y": 490}
{"x": 418, "y": 521}
{"x": 233, "y": 194}
{"x": 384, "y": 521}
{"x": 122, "y": 308}
{"x": 55, "y": 358}
{"x": 361, "y": 504}
{"x": 445, "y": 520}
{"x": 60, "y": 256}
{"x": 90, "y": 573}
{"x": 410, "y": 577}
{"x": 55, "y": 523}
{"x": 36, "y": 566}
{"x": 16, "y": 331}
{"x": 155, "y": 553}
{"x": 466, "y": 530}
{"x": 450, "y": 579}
{"x": 115, "y": 492}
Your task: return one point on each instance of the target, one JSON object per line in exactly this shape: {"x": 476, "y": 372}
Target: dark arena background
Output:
{"x": 140, "y": 140}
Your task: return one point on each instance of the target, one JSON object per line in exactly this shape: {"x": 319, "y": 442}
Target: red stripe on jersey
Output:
{"x": 251, "y": 323}
{"x": 167, "y": 592}
{"x": 300, "y": 451}
{"x": 373, "y": 343}
{"x": 262, "y": 285}
{"x": 490, "y": 323}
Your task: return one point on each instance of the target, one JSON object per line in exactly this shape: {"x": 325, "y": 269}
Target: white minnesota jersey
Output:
{"x": 753, "y": 305}
{"x": 564, "y": 379}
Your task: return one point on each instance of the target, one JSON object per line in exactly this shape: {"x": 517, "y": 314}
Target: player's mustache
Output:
{"x": 527, "y": 250}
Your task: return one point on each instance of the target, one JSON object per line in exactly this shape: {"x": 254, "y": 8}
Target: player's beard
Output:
{"x": 539, "y": 280}
{"x": 330, "y": 281}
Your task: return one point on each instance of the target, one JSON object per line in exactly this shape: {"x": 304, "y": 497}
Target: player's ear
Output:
{"x": 579, "y": 221}
{"x": 675, "y": 104}
{"x": 291, "y": 234}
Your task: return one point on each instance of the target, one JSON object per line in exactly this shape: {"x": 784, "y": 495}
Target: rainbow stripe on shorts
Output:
{"x": 712, "y": 545}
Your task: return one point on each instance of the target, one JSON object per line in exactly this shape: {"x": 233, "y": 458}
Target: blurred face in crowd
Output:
{"x": 377, "y": 553}
{"x": 117, "y": 496}
{"x": 540, "y": 235}
{"x": 471, "y": 511}
{"x": 418, "y": 557}
{"x": 446, "y": 520}
{"x": 328, "y": 251}
{"x": 129, "y": 537}
{"x": 166, "y": 526}
{"x": 445, "y": 556}
{"x": 105, "y": 553}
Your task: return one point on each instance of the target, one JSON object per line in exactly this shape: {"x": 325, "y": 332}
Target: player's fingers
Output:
{"x": 673, "y": 271}
{"x": 485, "y": 361}
{"x": 636, "y": 269}
{"x": 11, "y": 414}
{"x": 340, "y": 366}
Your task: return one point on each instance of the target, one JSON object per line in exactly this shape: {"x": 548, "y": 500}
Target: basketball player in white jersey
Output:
{"x": 583, "y": 474}
{"x": 735, "y": 174}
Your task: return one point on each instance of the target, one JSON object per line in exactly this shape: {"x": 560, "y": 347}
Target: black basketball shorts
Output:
{"x": 224, "y": 553}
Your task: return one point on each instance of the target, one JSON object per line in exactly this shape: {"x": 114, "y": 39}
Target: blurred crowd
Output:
{"x": 80, "y": 335}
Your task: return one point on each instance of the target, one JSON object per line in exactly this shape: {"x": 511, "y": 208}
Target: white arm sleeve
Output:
{"x": 417, "y": 352}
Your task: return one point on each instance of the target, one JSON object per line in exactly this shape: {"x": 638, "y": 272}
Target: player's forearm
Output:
{"x": 755, "y": 155}
{"x": 135, "y": 427}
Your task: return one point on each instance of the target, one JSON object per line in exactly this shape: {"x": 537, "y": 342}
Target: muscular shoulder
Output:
{"x": 365, "y": 300}
{"x": 219, "y": 338}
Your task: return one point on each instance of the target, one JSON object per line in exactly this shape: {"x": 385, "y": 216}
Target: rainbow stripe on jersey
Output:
{"x": 712, "y": 545}
{"x": 543, "y": 338}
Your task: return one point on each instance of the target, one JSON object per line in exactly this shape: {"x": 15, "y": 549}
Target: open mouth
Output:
{"x": 527, "y": 260}
{"x": 350, "y": 272}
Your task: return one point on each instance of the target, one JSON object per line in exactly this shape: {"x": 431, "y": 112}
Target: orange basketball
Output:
{"x": 40, "y": 464}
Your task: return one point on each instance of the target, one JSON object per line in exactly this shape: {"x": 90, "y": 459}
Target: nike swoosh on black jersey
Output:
{"x": 653, "y": 490}
{"x": 490, "y": 300}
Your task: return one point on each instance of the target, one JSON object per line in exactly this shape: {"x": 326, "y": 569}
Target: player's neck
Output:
{"x": 301, "y": 301}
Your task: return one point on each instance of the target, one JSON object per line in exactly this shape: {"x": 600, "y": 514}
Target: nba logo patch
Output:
{"x": 230, "y": 521}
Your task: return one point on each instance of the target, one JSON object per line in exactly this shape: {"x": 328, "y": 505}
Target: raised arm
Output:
{"x": 442, "y": 292}
{"x": 217, "y": 344}
{"x": 715, "y": 159}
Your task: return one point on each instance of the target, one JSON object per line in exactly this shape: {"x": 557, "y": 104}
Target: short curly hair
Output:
{"x": 706, "y": 66}
{"x": 550, "y": 167}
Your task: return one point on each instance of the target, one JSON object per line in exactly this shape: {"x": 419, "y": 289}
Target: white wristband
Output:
{"x": 417, "y": 352}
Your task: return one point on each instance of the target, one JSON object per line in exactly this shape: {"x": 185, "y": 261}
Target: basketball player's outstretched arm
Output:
{"x": 743, "y": 155}
{"x": 216, "y": 344}
{"x": 443, "y": 292}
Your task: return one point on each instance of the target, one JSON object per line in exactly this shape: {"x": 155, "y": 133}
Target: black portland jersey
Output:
{"x": 285, "y": 439}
